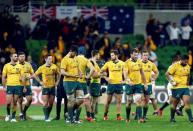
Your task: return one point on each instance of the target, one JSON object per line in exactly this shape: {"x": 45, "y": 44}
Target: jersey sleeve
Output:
{"x": 39, "y": 71}
{"x": 89, "y": 64}
{"x": 105, "y": 67}
{"x": 64, "y": 64}
{"x": 31, "y": 69}
{"x": 172, "y": 69}
{"x": 5, "y": 70}
{"x": 57, "y": 69}
{"x": 155, "y": 69}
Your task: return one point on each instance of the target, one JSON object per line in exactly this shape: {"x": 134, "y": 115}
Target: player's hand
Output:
{"x": 145, "y": 87}
{"x": 123, "y": 82}
{"x": 152, "y": 79}
{"x": 130, "y": 83}
{"x": 41, "y": 83}
{"x": 75, "y": 76}
{"x": 87, "y": 77}
{"x": 173, "y": 83}
{"x": 4, "y": 87}
{"x": 80, "y": 75}
{"x": 56, "y": 85}
{"x": 107, "y": 79}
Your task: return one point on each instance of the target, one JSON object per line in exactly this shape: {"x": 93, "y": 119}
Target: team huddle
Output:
{"x": 135, "y": 77}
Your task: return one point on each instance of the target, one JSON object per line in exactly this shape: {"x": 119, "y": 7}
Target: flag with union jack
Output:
{"x": 114, "y": 19}
{"x": 99, "y": 12}
{"x": 39, "y": 11}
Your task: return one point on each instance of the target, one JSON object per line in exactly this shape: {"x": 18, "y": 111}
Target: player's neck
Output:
{"x": 94, "y": 59}
{"x": 12, "y": 63}
{"x": 144, "y": 61}
{"x": 116, "y": 60}
{"x": 134, "y": 60}
{"x": 22, "y": 63}
{"x": 183, "y": 64}
{"x": 48, "y": 65}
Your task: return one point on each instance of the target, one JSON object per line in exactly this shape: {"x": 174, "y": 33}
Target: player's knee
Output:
{"x": 108, "y": 102}
{"x": 119, "y": 101}
{"x": 138, "y": 99}
{"x": 187, "y": 102}
{"x": 71, "y": 100}
{"x": 8, "y": 102}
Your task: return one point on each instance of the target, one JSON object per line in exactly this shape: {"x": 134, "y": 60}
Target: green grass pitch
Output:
{"x": 155, "y": 123}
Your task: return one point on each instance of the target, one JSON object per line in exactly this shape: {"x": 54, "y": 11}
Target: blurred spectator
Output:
{"x": 151, "y": 27}
{"x": 174, "y": 33}
{"x": 95, "y": 41}
{"x": 104, "y": 46}
{"x": 93, "y": 24}
{"x": 44, "y": 52}
{"x": 65, "y": 30}
{"x": 82, "y": 25}
{"x": 74, "y": 33}
{"x": 190, "y": 57}
{"x": 153, "y": 57}
{"x": 139, "y": 48}
{"x": 186, "y": 30}
{"x": 4, "y": 41}
{"x": 40, "y": 31}
{"x": 126, "y": 51}
{"x": 149, "y": 44}
{"x": 35, "y": 67}
{"x": 161, "y": 36}
{"x": 53, "y": 29}
{"x": 10, "y": 49}
{"x": 61, "y": 45}
{"x": 52, "y": 44}
{"x": 118, "y": 46}
{"x": 18, "y": 37}
{"x": 187, "y": 18}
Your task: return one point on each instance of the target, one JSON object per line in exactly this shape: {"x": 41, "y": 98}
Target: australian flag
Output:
{"x": 114, "y": 19}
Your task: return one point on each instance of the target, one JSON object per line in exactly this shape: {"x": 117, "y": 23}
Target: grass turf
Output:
{"x": 155, "y": 123}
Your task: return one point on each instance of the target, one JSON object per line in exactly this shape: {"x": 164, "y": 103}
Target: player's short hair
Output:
{"x": 185, "y": 57}
{"x": 116, "y": 52}
{"x": 134, "y": 50}
{"x": 94, "y": 52}
{"x": 145, "y": 51}
{"x": 46, "y": 56}
{"x": 21, "y": 53}
{"x": 11, "y": 54}
{"x": 176, "y": 58}
{"x": 74, "y": 48}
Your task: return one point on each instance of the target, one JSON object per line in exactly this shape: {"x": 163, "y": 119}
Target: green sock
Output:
{"x": 92, "y": 115}
{"x": 172, "y": 113}
{"x": 45, "y": 110}
{"x": 49, "y": 110}
{"x": 13, "y": 114}
{"x": 139, "y": 112}
{"x": 71, "y": 113}
{"x": 181, "y": 108}
{"x": 145, "y": 109}
{"x": 88, "y": 114}
{"x": 78, "y": 111}
{"x": 105, "y": 114}
{"x": 189, "y": 113}
{"x": 25, "y": 109}
{"x": 128, "y": 112}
